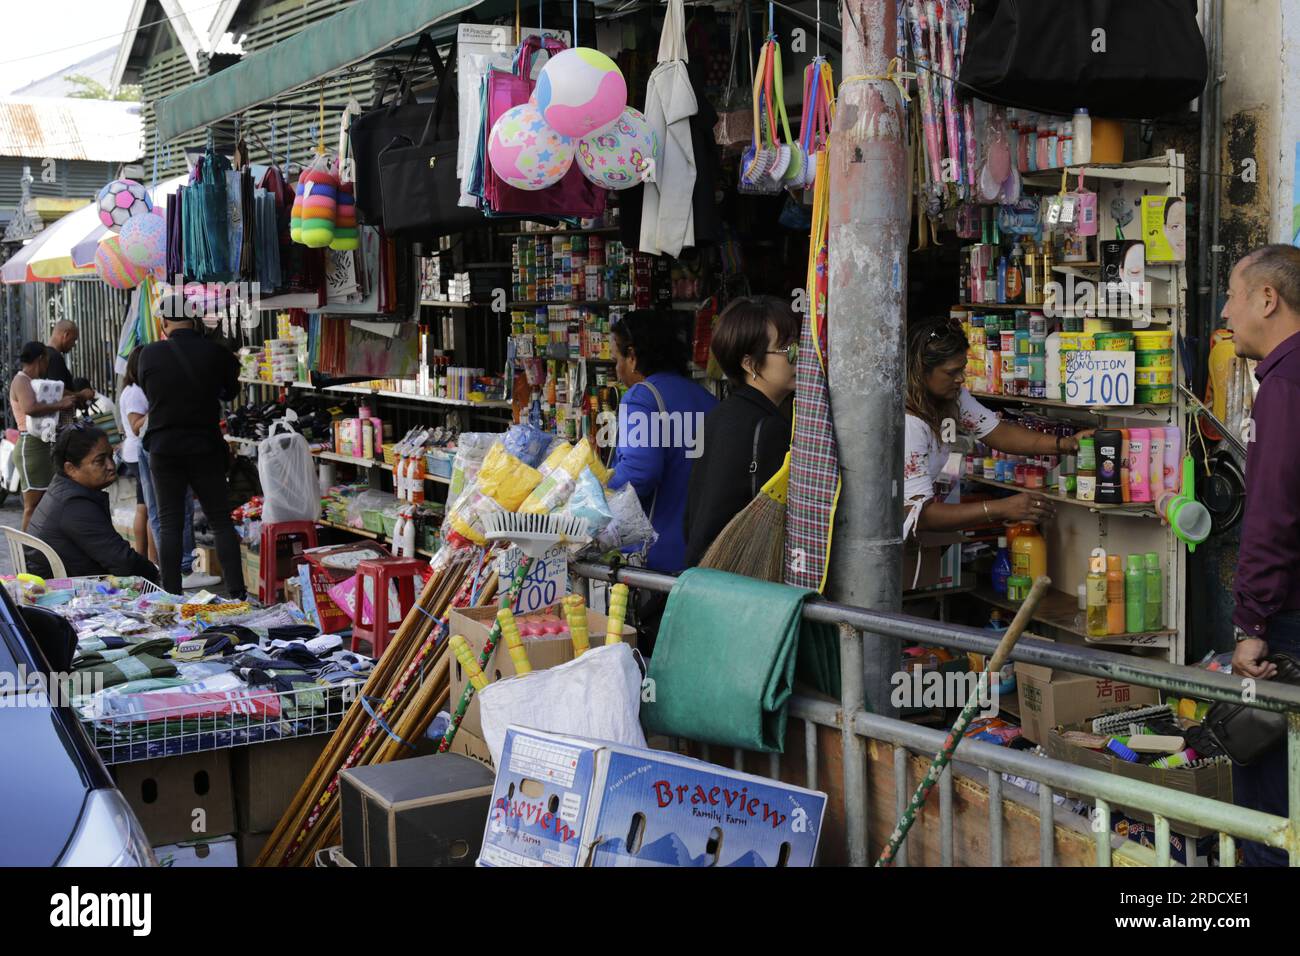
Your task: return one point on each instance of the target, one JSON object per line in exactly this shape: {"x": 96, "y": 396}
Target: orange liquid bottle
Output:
{"x": 1114, "y": 595}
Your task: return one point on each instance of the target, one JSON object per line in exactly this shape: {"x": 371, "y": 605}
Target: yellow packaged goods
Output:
{"x": 555, "y": 489}
{"x": 467, "y": 518}
{"x": 556, "y": 456}
{"x": 1153, "y": 340}
{"x": 506, "y": 479}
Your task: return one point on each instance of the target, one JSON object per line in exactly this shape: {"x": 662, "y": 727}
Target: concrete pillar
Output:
{"x": 867, "y": 298}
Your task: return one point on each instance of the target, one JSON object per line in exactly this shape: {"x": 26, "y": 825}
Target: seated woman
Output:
{"x": 73, "y": 517}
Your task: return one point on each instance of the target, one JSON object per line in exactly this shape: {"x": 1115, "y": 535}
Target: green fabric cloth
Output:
{"x": 156, "y": 647}
{"x": 725, "y": 660}
{"x": 131, "y": 667}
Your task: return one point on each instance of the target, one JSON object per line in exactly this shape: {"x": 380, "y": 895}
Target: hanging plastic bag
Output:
{"x": 288, "y": 477}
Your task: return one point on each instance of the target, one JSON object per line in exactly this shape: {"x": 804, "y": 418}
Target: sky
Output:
{"x": 43, "y": 36}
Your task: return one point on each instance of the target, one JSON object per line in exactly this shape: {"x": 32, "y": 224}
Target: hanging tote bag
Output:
{"x": 735, "y": 127}
{"x": 1117, "y": 58}
{"x": 421, "y": 192}
{"x": 574, "y": 196}
{"x": 385, "y": 121}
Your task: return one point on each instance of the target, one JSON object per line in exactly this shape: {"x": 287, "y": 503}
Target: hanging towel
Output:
{"x": 725, "y": 660}
{"x": 667, "y": 217}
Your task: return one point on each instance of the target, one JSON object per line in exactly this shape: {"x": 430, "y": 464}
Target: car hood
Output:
{"x": 42, "y": 785}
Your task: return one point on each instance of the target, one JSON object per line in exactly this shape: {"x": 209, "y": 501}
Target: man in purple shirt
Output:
{"x": 1263, "y": 313}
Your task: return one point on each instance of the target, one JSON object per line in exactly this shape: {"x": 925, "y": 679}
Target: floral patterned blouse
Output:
{"x": 925, "y": 455}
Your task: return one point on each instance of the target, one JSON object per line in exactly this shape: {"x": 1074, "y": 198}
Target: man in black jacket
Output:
{"x": 186, "y": 377}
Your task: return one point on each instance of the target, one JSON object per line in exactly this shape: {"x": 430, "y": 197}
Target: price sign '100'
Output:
{"x": 1099, "y": 378}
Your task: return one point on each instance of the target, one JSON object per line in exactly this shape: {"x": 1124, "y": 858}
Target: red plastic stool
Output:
{"x": 380, "y": 572}
{"x": 269, "y": 559}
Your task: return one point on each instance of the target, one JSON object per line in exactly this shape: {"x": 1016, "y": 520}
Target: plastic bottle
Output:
{"x": 1135, "y": 594}
{"x": 1029, "y": 552}
{"x": 1156, "y": 462}
{"x": 1002, "y": 279}
{"x": 1001, "y": 568}
{"x": 1139, "y": 460}
{"x": 1114, "y": 594}
{"x": 1052, "y": 365}
{"x": 1016, "y": 274}
{"x": 1096, "y": 584}
{"x": 1153, "y": 617}
{"x": 1082, "y": 137}
{"x": 1110, "y": 451}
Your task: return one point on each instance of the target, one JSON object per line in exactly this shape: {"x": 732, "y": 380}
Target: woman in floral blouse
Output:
{"x": 939, "y": 407}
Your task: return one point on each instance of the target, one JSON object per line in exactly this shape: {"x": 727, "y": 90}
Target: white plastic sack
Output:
{"x": 288, "y": 476}
{"x": 597, "y": 695}
{"x": 45, "y": 427}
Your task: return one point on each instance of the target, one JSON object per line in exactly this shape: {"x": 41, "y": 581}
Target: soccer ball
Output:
{"x": 120, "y": 200}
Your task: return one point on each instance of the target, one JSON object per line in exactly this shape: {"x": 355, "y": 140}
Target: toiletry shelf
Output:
{"x": 1119, "y": 411}
{"x": 598, "y": 231}
{"x": 448, "y": 304}
{"x": 1132, "y": 510}
{"x": 591, "y": 302}
{"x": 1060, "y": 610}
{"x": 370, "y": 463}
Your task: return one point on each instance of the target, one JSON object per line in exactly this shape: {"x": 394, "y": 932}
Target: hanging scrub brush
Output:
{"x": 753, "y": 542}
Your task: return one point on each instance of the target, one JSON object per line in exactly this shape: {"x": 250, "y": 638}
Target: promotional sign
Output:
{"x": 1099, "y": 378}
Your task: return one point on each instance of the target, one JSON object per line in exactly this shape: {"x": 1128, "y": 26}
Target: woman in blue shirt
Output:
{"x": 660, "y": 427}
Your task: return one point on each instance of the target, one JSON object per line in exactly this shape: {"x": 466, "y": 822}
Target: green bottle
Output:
{"x": 1135, "y": 594}
{"x": 1153, "y": 618}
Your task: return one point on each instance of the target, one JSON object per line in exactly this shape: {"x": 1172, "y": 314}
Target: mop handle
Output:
{"x": 514, "y": 643}
{"x": 942, "y": 758}
{"x": 575, "y": 612}
{"x": 516, "y": 585}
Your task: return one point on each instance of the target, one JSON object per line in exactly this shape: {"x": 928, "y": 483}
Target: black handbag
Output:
{"x": 418, "y": 181}
{"x": 1247, "y": 733}
{"x": 370, "y": 132}
{"x": 1047, "y": 55}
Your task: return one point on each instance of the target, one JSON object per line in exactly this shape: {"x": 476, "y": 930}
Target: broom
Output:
{"x": 753, "y": 542}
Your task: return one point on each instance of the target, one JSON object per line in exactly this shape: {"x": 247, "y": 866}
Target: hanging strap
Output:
{"x": 672, "y": 40}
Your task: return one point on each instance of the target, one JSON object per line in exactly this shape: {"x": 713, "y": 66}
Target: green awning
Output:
{"x": 350, "y": 36}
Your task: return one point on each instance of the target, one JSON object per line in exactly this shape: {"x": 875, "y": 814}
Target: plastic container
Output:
{"x": 1107, "y": 142}
{"x": 1154, "y": 340}
{"x": 1082, "y": 130}
{"x": 1153, "y": 395}
{"x": 1164, "y": 358}
{"x": 1156, "y": 462}
{"x": 1154, "y": 377}
{"x": 1097, "y": 611}
{"x": 1113, "y": 341}
{"x": 1153, "y": 617}
{"x": 1110, "y": 453}
{"x": 1029, "y": 552}
{"x": 1139, "y": 463}
{"x": 1114, "y": 595}
{"x": 1001, "y": 568}
{"x": 1018, "y": 586}
{"x": 1135, "y": 594}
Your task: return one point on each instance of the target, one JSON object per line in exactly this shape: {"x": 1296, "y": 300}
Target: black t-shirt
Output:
{"x": 186, "y": 377}
{"x": 58, "y": 368}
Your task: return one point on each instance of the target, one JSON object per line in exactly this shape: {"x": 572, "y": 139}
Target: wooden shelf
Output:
{"x": 1117, "y": 410}
{"x": 1060, "y": 610}
{"x": 1133, "y": 510}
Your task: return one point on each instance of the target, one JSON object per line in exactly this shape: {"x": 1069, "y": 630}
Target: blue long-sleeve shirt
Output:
{"x": 656, "y": 453}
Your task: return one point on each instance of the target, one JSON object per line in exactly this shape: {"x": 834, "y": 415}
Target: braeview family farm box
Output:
{"x": 565, "y": 801}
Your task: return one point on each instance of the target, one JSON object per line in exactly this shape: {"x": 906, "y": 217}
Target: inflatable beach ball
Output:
{"x": 526, "y": 152}
{"x": 580, "y": 92}
{"x": 112, "y": 265}
{"x": 618, "y": 157}
{"x": 143, "y": 240}
{"x": 120, "y": 200}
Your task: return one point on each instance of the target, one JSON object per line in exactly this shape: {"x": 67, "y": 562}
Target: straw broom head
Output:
{"x": 753, "y": 542}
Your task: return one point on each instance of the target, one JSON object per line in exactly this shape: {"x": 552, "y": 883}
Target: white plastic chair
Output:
{"x": 19, "y": 540}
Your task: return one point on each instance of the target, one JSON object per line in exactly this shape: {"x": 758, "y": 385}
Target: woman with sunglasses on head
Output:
{"x": 661, "y": 420}
{"x": 939, "y": 404}
{"x": 747, "y": 436}
{"x": 74, "y": 518}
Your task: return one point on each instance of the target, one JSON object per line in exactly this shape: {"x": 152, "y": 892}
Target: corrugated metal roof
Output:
{"x": 55, "y": 128}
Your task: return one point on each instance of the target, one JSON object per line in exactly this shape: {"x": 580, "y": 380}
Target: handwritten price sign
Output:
{"x": 1099, "y": 378}
{"x": 546, "y": 581}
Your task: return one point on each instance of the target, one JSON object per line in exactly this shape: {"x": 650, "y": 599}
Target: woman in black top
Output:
{"x": 746, "y": 437}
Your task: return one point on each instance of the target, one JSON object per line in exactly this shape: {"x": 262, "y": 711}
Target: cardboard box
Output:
{"x": 268, "y": 775}
{"x": 474, "y": 624}
{"x": 424, "y": 811}
{"x": 220, "y": 852}
{"x": 934, "y": 565}
{"x": 1213, "y": 781}
{"x": 565, "y": 801}
{"x": 471, "y": 745}
{"x": 1179, "y": 843}
{"x": 251, "y": 567}
{"x": 1049, "y": 698}
{"x": 248, "y": 846}
{"x": 167, "y": 792}
{"x": 206, "y": 561}
{"x": 293, "y": 593}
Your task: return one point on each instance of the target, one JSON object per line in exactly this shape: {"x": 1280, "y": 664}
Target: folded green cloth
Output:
{"x": 155, "y": 646}
{"x": 725, "y": 660}
{"x": 131, "y": 667}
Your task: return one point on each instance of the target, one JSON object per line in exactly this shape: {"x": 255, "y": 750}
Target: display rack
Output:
{"x": 1083, "y": 525}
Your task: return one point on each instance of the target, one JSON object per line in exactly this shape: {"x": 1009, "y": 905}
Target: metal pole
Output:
{"x": 1209, "y": 141}
{"x": 854, "y": 752}
{"x": 867, "y": 290}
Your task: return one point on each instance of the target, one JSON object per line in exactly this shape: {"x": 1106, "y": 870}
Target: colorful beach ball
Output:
{"x": 580, "y": 92}
{"x": 112, "y": 265}
{"x": 526, "y": 152}
{"x": 120, "y": 200}
{"x": 622, "y": 154}
{"x": 143, "y": 240}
